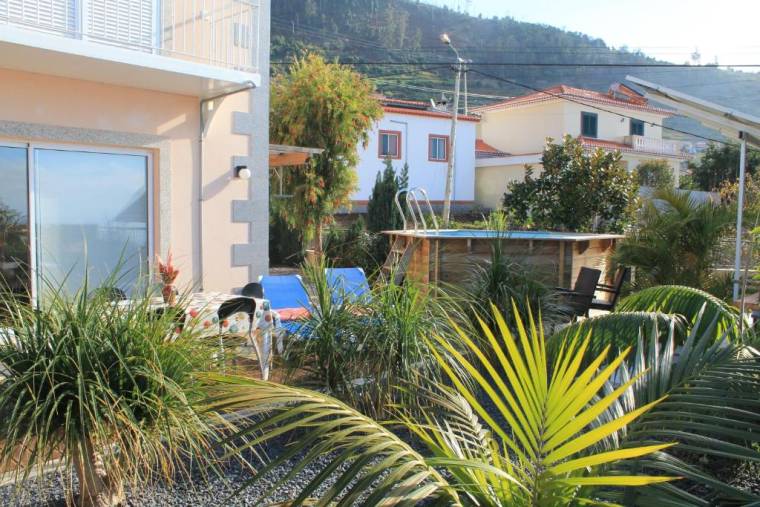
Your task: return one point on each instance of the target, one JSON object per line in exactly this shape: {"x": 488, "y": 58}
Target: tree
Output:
{"x": 329, "y": 106}
{"x": 382, "y": 214}
{"x": 575, "y": 191}
{"x": 719, "y": 163}
{"x": 676, "y": 240}
{"x": 655, "y": 174}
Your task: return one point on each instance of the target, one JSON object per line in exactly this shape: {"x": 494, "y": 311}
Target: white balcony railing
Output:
{"x": 223, "y": 33}
{"x": 651, "y": 144}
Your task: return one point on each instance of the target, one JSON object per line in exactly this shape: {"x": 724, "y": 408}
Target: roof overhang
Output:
{"x": 729, "y": 122}
{"x": 281, "y": 155}
{"x": 44, "y": 53}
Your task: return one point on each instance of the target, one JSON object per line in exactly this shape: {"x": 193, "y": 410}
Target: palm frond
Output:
{"x": 688, "y": 302}
{"x": 367, "y": 460}
{"x": 619, "y": 330}
{"x": 711, "y": 410}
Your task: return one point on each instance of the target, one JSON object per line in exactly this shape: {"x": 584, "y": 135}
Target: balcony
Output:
{"x": 181, "y": 46}
{"x": 653, "y": 145}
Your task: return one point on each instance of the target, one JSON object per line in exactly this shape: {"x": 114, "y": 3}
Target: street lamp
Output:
{"x": 452, "y": 139}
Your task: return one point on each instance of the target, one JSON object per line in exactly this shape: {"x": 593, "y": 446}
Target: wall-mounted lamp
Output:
{"x": 242, "y": 172}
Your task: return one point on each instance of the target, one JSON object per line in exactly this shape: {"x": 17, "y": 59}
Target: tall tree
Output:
{"x": 321, "y": 105}
{"x": 720, "y": 163}
{"x": 576, "y": 191}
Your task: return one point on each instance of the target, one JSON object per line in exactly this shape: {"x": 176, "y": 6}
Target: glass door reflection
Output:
{"x": 14, "y": 219}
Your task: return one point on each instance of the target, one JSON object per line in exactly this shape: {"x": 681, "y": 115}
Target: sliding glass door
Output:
{"x": 14, "y": 219}
{"x": 89, "y": 214}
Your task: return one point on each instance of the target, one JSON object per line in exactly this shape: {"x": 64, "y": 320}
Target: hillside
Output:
{"x": 404, "y": 31}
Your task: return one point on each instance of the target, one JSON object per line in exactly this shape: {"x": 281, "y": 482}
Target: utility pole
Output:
{"x": 452, "y": 139}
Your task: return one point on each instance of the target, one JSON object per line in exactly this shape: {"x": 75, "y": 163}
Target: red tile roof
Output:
{"x": 427, "y": 112}
{"x": 631, "y": 101}
{"x": 485, "y": 150}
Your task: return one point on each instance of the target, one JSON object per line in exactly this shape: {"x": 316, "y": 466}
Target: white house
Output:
{"x": 414, "y": 133}
{"x": 513, "y": 133}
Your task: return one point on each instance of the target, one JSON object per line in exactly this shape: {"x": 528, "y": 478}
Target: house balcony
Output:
{"x": 653, "y": 145}
{"x": 192, "y": 47}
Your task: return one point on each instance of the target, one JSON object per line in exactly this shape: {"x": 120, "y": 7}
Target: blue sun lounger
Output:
{"x": 288, "y": 297}
{"x": 347, "y": 283}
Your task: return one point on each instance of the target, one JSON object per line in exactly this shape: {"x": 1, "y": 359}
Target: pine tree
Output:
{"x": 382, "y": 214}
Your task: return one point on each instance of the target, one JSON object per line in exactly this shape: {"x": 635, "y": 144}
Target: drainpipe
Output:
{"x": 204, "y": 122}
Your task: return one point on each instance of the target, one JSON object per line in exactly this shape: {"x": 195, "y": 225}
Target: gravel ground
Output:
{"x": 215, "y": 490}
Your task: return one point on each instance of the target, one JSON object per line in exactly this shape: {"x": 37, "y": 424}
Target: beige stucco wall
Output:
{"x": 524, "y": 129}
{"x": 117, "y": 116}
{"x": 491, "y": 182}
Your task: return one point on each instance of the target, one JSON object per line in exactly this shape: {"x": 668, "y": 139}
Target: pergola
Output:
{"x": 281, "y": 156}
{"x": 732, "y": 124}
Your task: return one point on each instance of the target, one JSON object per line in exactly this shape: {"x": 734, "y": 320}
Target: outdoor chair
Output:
{"x": 114, "y": 294}
{"x": 347, "y": 284}
{"x": 614, "y": 290}
{"x": 579, "y": 298}
{"x": 288, "y": 298}
{"x": 253, "y": 290}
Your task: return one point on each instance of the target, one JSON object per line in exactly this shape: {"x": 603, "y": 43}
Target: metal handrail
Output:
{"x": 412, "y": 202}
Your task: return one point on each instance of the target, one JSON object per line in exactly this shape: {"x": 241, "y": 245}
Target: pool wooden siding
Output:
{"x": 557, "y": 261}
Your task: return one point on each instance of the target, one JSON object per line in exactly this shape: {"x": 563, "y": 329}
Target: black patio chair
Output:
{"x": 578, "y": 299}
{"x": 253, "y": 290}
{"x": 113, "y": 294}
{"x": 621, "y": 277}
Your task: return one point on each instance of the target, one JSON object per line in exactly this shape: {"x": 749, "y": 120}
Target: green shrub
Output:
{"x": 111, "y": 389}
{"x": 655, "y": 173}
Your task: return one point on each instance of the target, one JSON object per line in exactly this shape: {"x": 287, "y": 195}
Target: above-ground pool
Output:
{"x": 556, "y": 257}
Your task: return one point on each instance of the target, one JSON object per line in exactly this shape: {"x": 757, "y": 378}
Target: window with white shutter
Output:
{"x": 130, "y": 22}
{"x": 54, "y": 15}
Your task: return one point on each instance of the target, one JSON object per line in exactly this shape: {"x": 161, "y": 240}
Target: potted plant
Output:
{"x": 168, "y": 274}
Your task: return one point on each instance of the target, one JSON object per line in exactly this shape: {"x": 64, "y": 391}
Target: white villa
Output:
{"x": 414, "y": 133}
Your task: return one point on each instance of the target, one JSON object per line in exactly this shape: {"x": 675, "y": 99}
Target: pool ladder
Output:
{"x": 415, "y": 210}
{"x": 403, "y": 247}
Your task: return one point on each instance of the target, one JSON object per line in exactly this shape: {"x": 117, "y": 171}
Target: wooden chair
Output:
{"x": 609, "y": 304}
{"x": 582, "y": 294}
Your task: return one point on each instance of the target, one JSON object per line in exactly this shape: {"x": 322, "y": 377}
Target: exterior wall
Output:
{"x": 491, "y": 182}
{"x": 41, "y": 108}
{"x": 611, "y": 127}
{"x": 524, "y": 129}
{"x": 430, "y": 175}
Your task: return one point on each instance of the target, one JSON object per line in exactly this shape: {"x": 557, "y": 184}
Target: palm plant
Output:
{"x": 692, "y": 349}
{"x": 688, "y": 302}
{"x": 330, "y": 350}
{"x": 109, "y": 389}
{"x": 520, "y": 436}
{"x": 675, "y": 241}
{"x": 711, "y": 410}
{"x": 503, "y": 280}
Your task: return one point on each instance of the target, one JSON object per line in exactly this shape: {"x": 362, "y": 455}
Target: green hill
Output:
{"x": 404, "y": 31}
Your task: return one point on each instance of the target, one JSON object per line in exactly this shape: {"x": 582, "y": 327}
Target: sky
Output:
{"x": 671, "y": 30}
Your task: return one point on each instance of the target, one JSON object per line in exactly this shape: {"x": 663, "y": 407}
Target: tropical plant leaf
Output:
{"x": 688, "y": 302}
{"x": 513, "y": 432}
{"x": 712, "y": 410}
{"x": 619, "y": 330}
{"x": 365, "y": 455}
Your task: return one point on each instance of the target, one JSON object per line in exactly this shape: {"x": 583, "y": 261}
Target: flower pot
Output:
{"x": 170, "y": 294}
